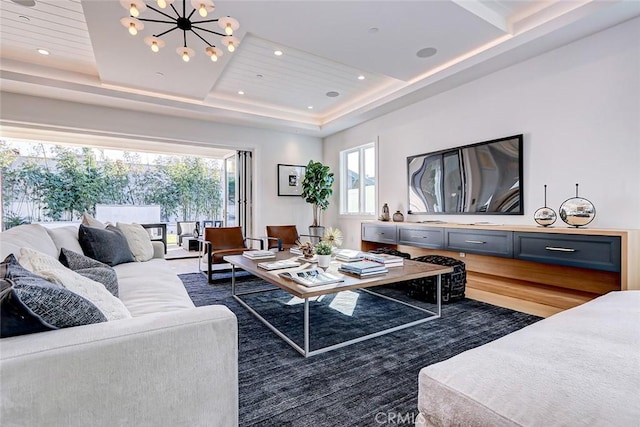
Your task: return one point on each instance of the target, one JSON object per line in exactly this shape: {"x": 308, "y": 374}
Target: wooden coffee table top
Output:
{"x": 410, "y": 270}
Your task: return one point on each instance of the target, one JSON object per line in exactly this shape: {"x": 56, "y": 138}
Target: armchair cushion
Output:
{"x": 224, "y": 238}
{"x": 287, "y": 234}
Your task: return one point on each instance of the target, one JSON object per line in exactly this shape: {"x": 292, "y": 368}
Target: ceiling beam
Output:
{"x": 485, "y": 13}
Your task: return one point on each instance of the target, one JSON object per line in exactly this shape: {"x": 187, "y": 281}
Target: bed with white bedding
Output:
{"x": 578, "y": 367}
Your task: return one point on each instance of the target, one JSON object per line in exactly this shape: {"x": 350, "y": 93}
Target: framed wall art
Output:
{"x": 290, "y": 179}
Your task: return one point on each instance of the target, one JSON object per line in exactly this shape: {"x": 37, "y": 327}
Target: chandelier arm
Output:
{"x": 184, "y": 35}
{"x": 200, "y": 37}
{"x": 162, "y": 13}
{"x": 174, "y": 9}
{"x": 191, "y": 14}
{"x": 208, "y": 31}
{"x": 157, "y": 20}
{"x": 208, "y": 20}
{"x": 168, "y": 31}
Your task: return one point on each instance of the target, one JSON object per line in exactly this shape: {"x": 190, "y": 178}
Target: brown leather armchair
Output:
{"x": 285, "y": 237}
{"x": 222, "y": 241}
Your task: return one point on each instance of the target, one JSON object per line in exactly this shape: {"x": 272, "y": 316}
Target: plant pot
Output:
{"x": 316, "y": 231}
{"x": 324, "y": 261}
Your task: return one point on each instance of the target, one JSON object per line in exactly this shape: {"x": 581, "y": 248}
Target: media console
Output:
{"x": 538, "y": 270}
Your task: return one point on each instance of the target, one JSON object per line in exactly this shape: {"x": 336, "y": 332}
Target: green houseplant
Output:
{"x": 316, "y": 189}
{"x": 323, "y": 251}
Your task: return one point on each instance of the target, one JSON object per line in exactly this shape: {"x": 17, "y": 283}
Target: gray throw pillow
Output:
{"x": 90, "y": 268}
{"x": 53, "y": 305}
{"x": 106, "y": 245}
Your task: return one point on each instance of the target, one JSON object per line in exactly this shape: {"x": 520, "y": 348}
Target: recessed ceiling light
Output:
{"x": 24, "y": 18}
{"x": 360, "y": 77}
{"x": 310, "y": 107}
{"x": 159, "y": 74}
{"x": 332, "y": 94}
{"x": 277, "y": 52}
{"x": 259, "y": 76}
{"x": 426, "y": 52}
{"x": 373, "y": 30}
{"x": 27, "y": 3}
{"x": 240, "y": 92}
{"x": 43, "y": 51}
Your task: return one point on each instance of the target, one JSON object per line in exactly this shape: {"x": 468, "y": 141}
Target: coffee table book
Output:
{"x": 386, "y": 259}
{"x": 362, "y": 274}
{"x": 312, "y": 277}
{"x": 258, "y": 254}
{"x": 278, "y": 265}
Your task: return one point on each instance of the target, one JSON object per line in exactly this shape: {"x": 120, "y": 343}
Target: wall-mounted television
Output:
{"x": 482, "y": 178}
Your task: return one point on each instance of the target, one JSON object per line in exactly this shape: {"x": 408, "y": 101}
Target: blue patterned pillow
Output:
{"x": 52, "y": 305}
{"x": 107, "y": 245}
{"x": 90, "y": 268}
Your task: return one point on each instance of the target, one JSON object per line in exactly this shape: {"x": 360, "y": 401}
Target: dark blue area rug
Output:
{"x": 371, "y": 383}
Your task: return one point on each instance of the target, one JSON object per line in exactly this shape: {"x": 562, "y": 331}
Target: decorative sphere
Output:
{"x": 577, "y": 211}
{"x": 545, "y": 216}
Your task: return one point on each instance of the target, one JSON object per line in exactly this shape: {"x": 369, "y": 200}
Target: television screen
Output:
{"x": 482, "y": 178}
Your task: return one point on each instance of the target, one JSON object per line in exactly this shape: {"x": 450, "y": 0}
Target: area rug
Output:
{"x": 371, "y": 383}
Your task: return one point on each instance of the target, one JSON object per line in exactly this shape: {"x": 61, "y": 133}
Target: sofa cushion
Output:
{"x": 90, "y": 221}
{"x": 52, "y": 270}
{"x": 105, "y": 245}
{"x": 138, "y": 240}
{"x": 151, "y": 287}
{"x": 53, "y": 304}
{"x": 32, "y": 236}
{"x": 90, "y": 268}
{"x": 65, "y": 237}
{"x": 15, "y": 317}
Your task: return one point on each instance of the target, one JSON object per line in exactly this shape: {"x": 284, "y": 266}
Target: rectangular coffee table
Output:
{"x": 410, "y": 270}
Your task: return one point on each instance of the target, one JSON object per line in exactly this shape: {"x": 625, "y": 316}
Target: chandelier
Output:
{"x": 184, "y": 23}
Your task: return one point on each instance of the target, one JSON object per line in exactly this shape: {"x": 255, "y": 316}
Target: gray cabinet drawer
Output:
{"x": 594, "y": 252}
{"x": 421, "y": 237}
{"x": 379, "y": 233}
{"x": 483, "y": 242}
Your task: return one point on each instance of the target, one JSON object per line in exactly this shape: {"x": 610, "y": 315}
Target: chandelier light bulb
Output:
{"x": 228, "y": 30}
{"x": 132, "y": 29}
{"x": 185, "y": 57}
{"x": 162, "y": 4}
{"x": 133, "y": 10}
{"x": 154, "y": 47}
{"x": 231, "y": 47}
{"x": 202, "y": 10}
{"x": 214, "y": 57}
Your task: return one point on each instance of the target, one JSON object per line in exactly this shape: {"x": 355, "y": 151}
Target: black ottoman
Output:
{"x": 453, "y": 284}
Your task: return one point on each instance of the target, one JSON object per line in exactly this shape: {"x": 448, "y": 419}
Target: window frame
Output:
{"x": 360, "y": 149}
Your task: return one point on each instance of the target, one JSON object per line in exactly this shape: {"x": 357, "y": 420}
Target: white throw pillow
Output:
{"x": 52, "y": 270}
{"x": 90, "y": 221}
{"x": 138, "y": 240}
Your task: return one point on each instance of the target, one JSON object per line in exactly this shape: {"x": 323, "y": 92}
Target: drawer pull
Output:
{"x": 475, "y": 242}
{"x": 556, "y": 249}
{"x": 380, "y": 233}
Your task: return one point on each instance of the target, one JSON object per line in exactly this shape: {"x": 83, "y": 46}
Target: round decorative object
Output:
{"x": 545, "y": 216}
{"x": 398, "y": 217}
{"x": 577, "y": 211}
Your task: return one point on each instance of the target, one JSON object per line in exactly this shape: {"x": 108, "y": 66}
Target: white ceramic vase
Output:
{"x": 324, "y": 261}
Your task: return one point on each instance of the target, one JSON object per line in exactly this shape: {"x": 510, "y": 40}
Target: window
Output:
{"x": 358, "y": 180}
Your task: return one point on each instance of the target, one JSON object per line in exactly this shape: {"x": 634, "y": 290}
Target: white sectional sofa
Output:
{"x": 170, "y": 364}
{"x": 578, "y": 367}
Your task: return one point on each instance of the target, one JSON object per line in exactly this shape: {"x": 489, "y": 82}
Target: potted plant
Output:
{"x": 323, "y": 251}
{"x": 316, "y": 189}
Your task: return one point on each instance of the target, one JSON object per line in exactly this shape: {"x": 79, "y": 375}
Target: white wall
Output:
{"x": 577, "y": 106}
{"x": 95, "y": 125}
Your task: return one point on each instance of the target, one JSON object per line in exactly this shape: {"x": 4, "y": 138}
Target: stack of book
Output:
{"x": 386, "y": 259}
{"x": 312, "y": 277}
{"x": 349, "y": 255}
{"x": 277, "y": 265}
{"x": 363, "y": 268}
{"x": 296, "y": 251}
{"x": 258, "y": 254}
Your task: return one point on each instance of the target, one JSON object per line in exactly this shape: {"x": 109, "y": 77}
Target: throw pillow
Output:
{"x": 90, "y": 268}
{"x": 138, "y": 240}
{"x": 90, "y": 221}
{"x": 52, "y": 270}
{"x": 49, "y": 306}
{"x": 106, "y": 245}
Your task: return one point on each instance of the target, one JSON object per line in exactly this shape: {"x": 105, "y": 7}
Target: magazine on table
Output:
{"x": 386, "y": 259}
{"x": 312, "y": 277}
{"x": 278, "y": 265}
{"x": 348, "y": 255}
{"x": 362, "y": 274}
{"x": 363, "y": 266}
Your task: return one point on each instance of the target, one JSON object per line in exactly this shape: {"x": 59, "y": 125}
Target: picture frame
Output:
{"x": 290, "y": 179}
